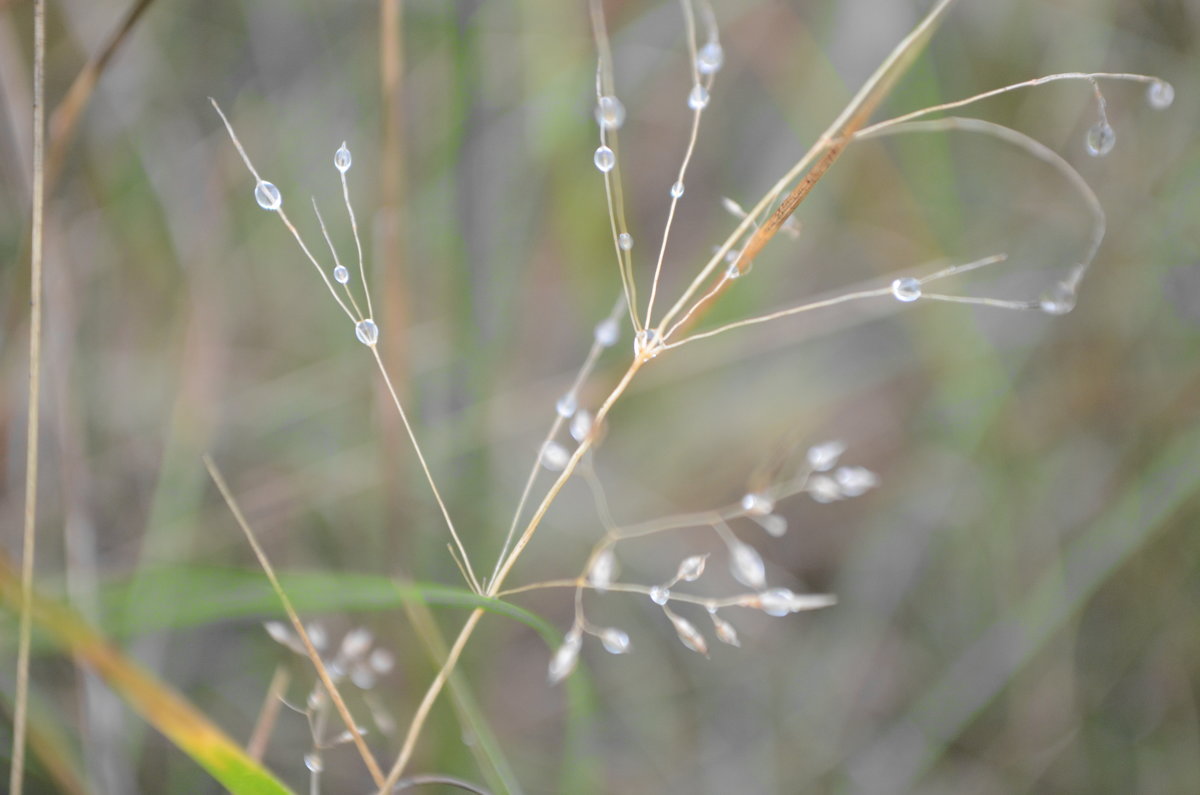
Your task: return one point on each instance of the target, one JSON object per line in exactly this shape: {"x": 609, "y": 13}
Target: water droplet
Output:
{"x": 625, "y": 241}
{"x": 776, "y": 602}
{"x": 660, "y": 595}
{"x": 564, "y": 660}
{"x": 1058, "y": 300}
{"x": 313, "y": 762}
{"x": 698, "y": 97}
{"x": 647, "y": 345}
{"x": 615, "y": 641}
{"x": 604, "y": 159}
{"x": 855, "y": 481}
{"x": 691, "y": 568}
{"x": 1160, "y": 94}
{"x": 824, "y": 489}
{"x": 607, "y": 333}
{"x": 566, "y": 405}
{"x": 710, "y": 58}
{"x": 676, "y": 189}
{"x": 267, "y": 195}
{"x": 746, "y": 565}
{"x": 1100, "y": 139}
{"x": 341, "y": 158}
{"x": 758, "y": 503}
{"x": 581, "y": 425}
{"x": 366, "y": 331}
{"x": 823, "y": 457}
{"x": 610, "y": 113}
{"x": 733, "y": 271}
{"x": 555, "y": 457}
{"x": 603, "y": 570}
{"x": 906, "y": 289}
{"x": 341, "y": 275}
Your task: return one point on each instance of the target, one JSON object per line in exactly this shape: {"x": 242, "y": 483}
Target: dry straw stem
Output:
{"x": 322, "y": 672}
{"x": 265, "y": 725}
{"x": 29, "y": 537}
{"x": 833, "y": 141}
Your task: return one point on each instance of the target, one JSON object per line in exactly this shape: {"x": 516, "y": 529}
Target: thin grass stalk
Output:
{"x": 29, "y": 536}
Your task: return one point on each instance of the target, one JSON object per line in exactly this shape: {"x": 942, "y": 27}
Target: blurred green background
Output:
{"x": 1019, "y": 598}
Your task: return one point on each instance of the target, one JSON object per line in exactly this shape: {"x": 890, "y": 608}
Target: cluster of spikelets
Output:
{"x": 573, "y": 434}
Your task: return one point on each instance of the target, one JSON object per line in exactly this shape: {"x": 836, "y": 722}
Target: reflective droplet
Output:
{"x": 660, "y": 595}
{"x": 758, "y": 503}
{"x": 566, "y": 405}
{"x": 625, "y": 241}
{"x": 906, "y": 289}
{"x": 776, "y": 602}
{"x": 313, "y": 762}
{"x": 733, "y": 271}
{"x": 647, "y": 345}
{"x": 855, "y": 481}
{"x": 604, "y": 159}
{"x": 341, "y": 158}
{"x": 1160, "y": 94}
{"x": 1100, "y": 139}
{"x": 698, "y": 97}
{"x": 564, "y": 660}
{"x": 607, "y": 332}
{"x": 602, "y": 571}
{"x": 267, "y": 195}
{"x": 710, "y": 58}
{"x": 746, "y": 565}
{"x": 615, "y": 641}
{"x": 823, "y": 457}
{"x": 824, "y": 489}
{"x": 676, "y": 189}
{"x": 581, "y": 425}
{"x": 1058, "y": 300}
{"x": 341, "y": 275}
{"x": 555, "y": 457}
{"x": 610, "y": 113}
{"x": 366, "y": 331}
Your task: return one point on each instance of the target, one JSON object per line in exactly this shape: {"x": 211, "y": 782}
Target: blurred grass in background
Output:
{"x": 1019, "y": 599}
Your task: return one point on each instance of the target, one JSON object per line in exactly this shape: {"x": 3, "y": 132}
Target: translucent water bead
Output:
{"x": 1100, "y": 140}
{"x": 341, "y": 158}
{"x": 698, "y": 97}
{"x": 615, "y": 641}
{"x": 566, "y": 405}
{"x": 625, "y": 241}
{"x": 366, "y": 331}
{"x": 267, "y": 195}
{"x": 1058, "y": 300}
{"x": 906, "y": 289}
{"x": 676, "y": 189}
{"x": 710, "y": 58}
{"x": 1160, "y": 94}
{"x": 610, "y": 113}
{"x": 313, "y": 762}
{"x": 660, "y": 595}
{"x": 604, "y": 159}
{"x": 607, "y": 333}
{"x": 341, "y": 275}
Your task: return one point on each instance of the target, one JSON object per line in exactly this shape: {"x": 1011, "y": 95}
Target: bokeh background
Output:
{"x": 1020, "y": 596}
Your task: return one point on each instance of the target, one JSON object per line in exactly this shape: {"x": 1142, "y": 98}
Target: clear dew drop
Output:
{"x": 604, "y": 159}
{"x": 758, "y": 503}
{"x": 906, "y": 289}
{"x": 267, "y": 195}
{"x": 341, "y": 275}
{"x": 776, "y": 602}
{"x": 733, "y": 271}
{"x": 607, "y": 332}
{"x": 341, "y": 158}
{"x": 313, "y": 762}
{"x": 625, "y": 241}
{"x": 1160, "y": 94}
{"x": 676, "y": 189}
{"x": 581, "y": 425}
{"x": 615, "y": 641}
{"x": 555, "y": 457}
{"x": 382, "y": 661}
{"x": 710, "y": 58}
{"x": 698, "y": 97}
{"x": 610, "y": 113}
{"x": 1100, "y": 139}
{"x": 566, "y": 405}
{"x": 366, "y": 331}
{"x": 660, "y": 595}
{"x": 1058, "y": 300}
{"x": 855, "y": 481}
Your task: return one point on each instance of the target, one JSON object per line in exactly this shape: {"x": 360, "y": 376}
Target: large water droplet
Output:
{"x": 566, "y": 405}
{"x": 1100, "y": 139}
{"x": 646, "y": 344}
{"x": 610, "y": 113}
{"x": 1160, "y": 94}
{"x": 607, "y": 333}
{"x": 341, "y": 158}
{"x": 615, "y": 641}
{"x": 581, "y": 425}
{"x": 1058, "y": 300}
{"x": 676, "y": 189}
{"x": 710, "y": 58}
{"x": 366, "y": 331}
{"x": 698, "y": 97}
{"x": 341, "y": 275}
{"x": 906, "y": 289}
{"x": 313, "y": 762}
{"x": 604, "y": 159}
{"x": 267, "y": 195}
{"x": 625, "y": 241}
{"x": 660, "y": 595}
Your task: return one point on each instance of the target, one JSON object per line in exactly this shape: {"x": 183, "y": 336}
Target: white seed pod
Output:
{"x": 603, "y": 570}
{"x": 855, "y": 481}
{"x": 581, "y": 425}
{"x": 688, "y": 634}
{"x": 555, "y": 457}
{"x": 564, "y": 660}
{"x": 823, "y": 457}
{"x": 355, "y": 644}
{"x": 758, "y": 503}
{"x": 823, "y": 489}
{"x": 746, "y": 565}
{"x": 775, "y": 525}
{"x": 725, "y": 631}
{"x": 691, "y": 568}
